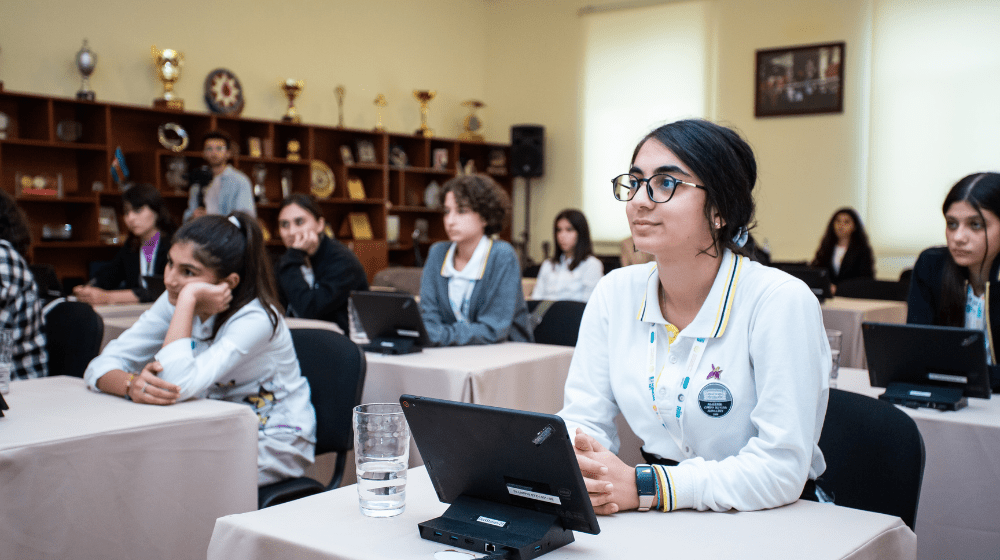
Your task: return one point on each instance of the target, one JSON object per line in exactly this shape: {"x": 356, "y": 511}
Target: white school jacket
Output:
{"x": 744, "y": 418}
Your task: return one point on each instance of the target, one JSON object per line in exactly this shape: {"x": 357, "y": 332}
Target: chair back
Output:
{"x": 869, "y": 288}
{"x": 874, "y": 456}
{"x": 560, "y": 323}
{"x": 73, "y": 334}
{"x": 402, "y": 278}
{"x": 335, "y": 367}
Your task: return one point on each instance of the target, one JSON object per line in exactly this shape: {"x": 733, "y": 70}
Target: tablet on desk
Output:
{"x": 511, "y": 476}
{"x": 392, "y": 322}
{"x": 927, "y": 365}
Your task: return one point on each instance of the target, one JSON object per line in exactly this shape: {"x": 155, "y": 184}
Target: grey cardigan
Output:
{"x": 497, "y": 311}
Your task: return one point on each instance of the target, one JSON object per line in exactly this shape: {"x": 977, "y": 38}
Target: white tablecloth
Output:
{"x": 959, "y": 508}
{"x": 846, "y": 316}
{"x": 329, "y": 525}
{"x": 90, "y": 475}
{"x": 122, "y": 310}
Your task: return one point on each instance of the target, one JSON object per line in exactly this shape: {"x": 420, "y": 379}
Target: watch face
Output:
{"x": 223, "y": 92}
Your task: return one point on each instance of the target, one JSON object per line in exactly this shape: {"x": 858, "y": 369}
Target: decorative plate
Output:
{"x": 223, "y": 92}
{"x": 322, "y": 179}
{"x": 172, "y": 136}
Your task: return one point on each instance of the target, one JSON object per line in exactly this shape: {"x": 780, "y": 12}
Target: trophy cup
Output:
{"x": 168, "y": 69}
{"x": 85, "y": 62}
{"x": 292, "y": 89}
{"x": 424, "y": 97}
{"x": 340, "y": 91}
{"x": 380, "y": 104}
{"x": 259, "y": 192}
{"x": 472, "y": 125}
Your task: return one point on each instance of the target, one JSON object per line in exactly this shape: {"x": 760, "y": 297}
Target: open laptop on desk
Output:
{"x": 818, "y": 279}
{"x": 927, "y": 366}
{"x": 511, "y": 477}
{"x": 392, "y": 322}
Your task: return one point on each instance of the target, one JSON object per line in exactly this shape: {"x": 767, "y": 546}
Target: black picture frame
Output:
{"x": 799, "y": 80}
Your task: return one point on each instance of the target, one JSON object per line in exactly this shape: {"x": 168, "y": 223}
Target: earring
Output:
{"x": 717, "y": 224}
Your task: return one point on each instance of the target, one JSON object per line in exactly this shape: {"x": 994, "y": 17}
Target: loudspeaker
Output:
{"x": 527, "y": 150}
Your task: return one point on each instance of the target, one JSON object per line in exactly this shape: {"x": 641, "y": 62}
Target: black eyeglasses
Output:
{"x": 660, "y": 188}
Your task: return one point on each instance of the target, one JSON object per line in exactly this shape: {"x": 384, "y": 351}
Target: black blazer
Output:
{"x": 337, "y": 271}
{"x": 122, "y": 272}
{"x": 857, "y": 263}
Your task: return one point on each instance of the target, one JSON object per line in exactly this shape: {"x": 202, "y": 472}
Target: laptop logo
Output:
{"x": 969, "y": 340}
{"x": 542, "y": 435}
{"x": 494, "y": 522}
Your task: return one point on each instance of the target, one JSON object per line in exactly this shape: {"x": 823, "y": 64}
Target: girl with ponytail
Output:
{"x": 217, "y": 332}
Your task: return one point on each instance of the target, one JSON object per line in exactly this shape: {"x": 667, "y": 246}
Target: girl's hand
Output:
{"x": 92, "y": 295}
{"x": 147, "y": 388}
{"x": 610, "y": 482}
{"x": 307, "y": 241}
{"x": 209, "y": 299}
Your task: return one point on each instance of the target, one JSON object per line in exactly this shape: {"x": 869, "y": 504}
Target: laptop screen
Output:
{"x": 390, "y": 315}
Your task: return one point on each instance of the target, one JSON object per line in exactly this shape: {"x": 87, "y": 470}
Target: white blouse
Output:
{"x": 558, "y": 282}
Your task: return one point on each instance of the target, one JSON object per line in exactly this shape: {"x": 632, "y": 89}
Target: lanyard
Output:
{"x": 694, "y": 359}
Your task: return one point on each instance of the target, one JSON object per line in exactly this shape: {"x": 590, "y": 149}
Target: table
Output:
{"x": 122, "y": 309}
{"x": 91, "y": 475}
{"x": 115, "y": 326}
{"x": 329, "y": 525}
{"x": 960, "y": 495}
{"x": 846, "y": 316}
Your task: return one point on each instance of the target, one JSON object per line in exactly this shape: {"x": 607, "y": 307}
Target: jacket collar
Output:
{"x": 480, "y": 257}
{"x": 714, "y": 314}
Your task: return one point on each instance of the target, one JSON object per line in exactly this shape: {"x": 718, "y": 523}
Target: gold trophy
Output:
{"x": 340, "y": 92}
{"x": 472, "y": 125}
{"x": 168, "y": 69}
{"x": 292, "y": 89}
{"x": 424, "y": 97}
{"x": 380, "y": 103}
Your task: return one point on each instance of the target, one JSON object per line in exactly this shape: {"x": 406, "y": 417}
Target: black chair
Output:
{"x": 874, "y": 456}
{"x": 73, "y": 334}
{"x": 335, "y": 367}
{"x": 869, "y": 288}
{"x": 49, "y": 288}
{"x": 559, "y": 324}
{"x": 531, "y": 271}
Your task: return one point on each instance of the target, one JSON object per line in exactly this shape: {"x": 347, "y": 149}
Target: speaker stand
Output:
{"x": 526, "y": 260}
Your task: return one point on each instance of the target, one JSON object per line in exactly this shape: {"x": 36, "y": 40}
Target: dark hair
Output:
{"x": 146, "y": 195}
{"x": 584, "y": 246}
{"x": 482, "y": 195}
{"x": 14, "y": 225}
{"x": 725, "y": 163}
{"x": 226, "y": 248}
{"x": 982, "y": 192}
{"x": 218, "y": 135}
{"x": 303, "y": 201}
{"x": 859, "y": 240}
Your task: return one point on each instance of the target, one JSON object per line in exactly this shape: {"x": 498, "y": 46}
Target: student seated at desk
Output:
{"x": 20, "y": 307}
{"x": 316, "y": 274}
{"x": 217, "y": 333}
{"x": 719, "y": 364}
{"x": 470, "y": 291}
{"x": 573, "y": 271}
{"x": 150, "y": 228}
{"x": 844, "y": 249}
{"x": 951, "y": 286}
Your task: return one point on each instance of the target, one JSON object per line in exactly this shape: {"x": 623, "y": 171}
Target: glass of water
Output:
{"x": 381, "y": 451}
{"x": 834, "y": 337}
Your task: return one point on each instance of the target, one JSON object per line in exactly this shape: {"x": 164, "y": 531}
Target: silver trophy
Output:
{"x": 85, "y": 62}
{"x": 259, "y": 192}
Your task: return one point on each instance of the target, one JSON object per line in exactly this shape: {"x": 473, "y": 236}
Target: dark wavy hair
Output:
{"x": 304, "y": 201}
{"x": 482, "y": 195}
{"x": 982, "y": 192}
{"x": 218, "y": 135}
{"x": 858, "y": 242}
{"x": 584, "y": 246}
{"x": 225, "y": 248}
{"x": 725, "y": 163}
{"x": 146, "y": 195}
{"x": 14, "y": 225}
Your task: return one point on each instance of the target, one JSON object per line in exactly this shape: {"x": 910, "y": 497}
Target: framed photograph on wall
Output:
{"x": 803, "y": 80}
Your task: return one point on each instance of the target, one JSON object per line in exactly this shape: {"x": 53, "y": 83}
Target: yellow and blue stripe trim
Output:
{"x": 735, "y": 266}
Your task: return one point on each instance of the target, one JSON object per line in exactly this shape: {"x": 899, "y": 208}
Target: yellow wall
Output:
{"x": 522, "y": 57}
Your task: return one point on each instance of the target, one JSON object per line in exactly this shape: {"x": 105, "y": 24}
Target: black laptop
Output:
{"x": 926, "y": 365}
{"x": 818, "y": 279}
{"x": 511, "y": 477}
{"x": 392, "y": 322}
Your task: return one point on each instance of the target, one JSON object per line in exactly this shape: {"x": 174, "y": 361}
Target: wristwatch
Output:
{"x": 646, "y": 484}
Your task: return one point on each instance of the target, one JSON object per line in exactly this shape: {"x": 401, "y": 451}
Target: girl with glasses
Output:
{"x": 719, "y": 364}
{"x": 573, "y": 271}
{"x": 950, "y": 285}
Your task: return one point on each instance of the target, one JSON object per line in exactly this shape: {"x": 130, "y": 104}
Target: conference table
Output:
{"x": 329, "y": 525}
{"x": 847, "y": 314}
{"x": 959, "y": 508}
{"x": 92, "y": 475}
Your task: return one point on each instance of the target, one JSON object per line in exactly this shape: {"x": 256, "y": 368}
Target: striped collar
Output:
{"x": 476, "y": 266}
{"x": 714, "y": 314}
